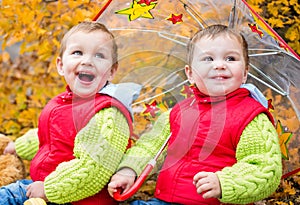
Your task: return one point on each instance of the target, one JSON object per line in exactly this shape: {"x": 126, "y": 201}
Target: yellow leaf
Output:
{"x": 274, "y": 22}
{"x": 284, "y": 2}
{"x": 255, "y": 2}
{"x": 292, "y": 34}
{"x": 5, "y": 57}
{"x": 295, "y": 45}
{"x": 284, "y": 138}
{"x": 11, "y": 127}
{"x": 28, "y": 117}
{"x": 284, "y": 10}
{"x": 273, "y": 9}
{"x": 289, "y": 189}
{"x": 294, "y": 2}
{"x": 21, "y": 100}
{"x": 41, "y": 31}
{"x": 297, "y": 8}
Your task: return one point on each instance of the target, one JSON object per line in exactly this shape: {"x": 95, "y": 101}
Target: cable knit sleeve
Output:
{"x": 258, "y": 170}
{"x": 147, "y": 145}
{"x": 98, "y": 150}
{"x": 27, "y": 145}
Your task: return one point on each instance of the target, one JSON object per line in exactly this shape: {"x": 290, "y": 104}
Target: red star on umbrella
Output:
{"x": 270, "y": 105}
{"x": 175, "y": 19}
{"x": 254, "y": 28}
{"x": 151, "y": 108}
{"x": 282, "y": 45}
{"x": 186, "y": 91}
{"x": 147, "y": 2}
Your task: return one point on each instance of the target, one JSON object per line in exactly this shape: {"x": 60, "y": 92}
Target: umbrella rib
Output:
{"x": 171, "y": 39}
{"x": 281, "y": 93}
{"x": 232, "y": 15}
{"x": 264, "y": 54}
{"x": 174, "y": 73}
{"x": 268, "y": 85}
{"x": 193, "y": 14}
{"x": 166, "y": 78}
{"x": 161, "y": 34}
{"x": 267, "y": 77}
{"x": 155, "y": 96}
{"x": 295, "y": 107}
{"x": 194, "y": 17}
{"x": 270, "y": 52}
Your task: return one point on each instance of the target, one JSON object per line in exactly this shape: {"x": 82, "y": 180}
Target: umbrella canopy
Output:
{"x": 152, "y": 36}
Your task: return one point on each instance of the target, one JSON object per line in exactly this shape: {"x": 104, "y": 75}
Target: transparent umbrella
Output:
{"x": 152, "y": 36}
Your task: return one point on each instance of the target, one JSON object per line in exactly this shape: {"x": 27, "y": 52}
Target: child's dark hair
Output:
{"x": 90, "y": 26}
{"x": 213, "y": 31}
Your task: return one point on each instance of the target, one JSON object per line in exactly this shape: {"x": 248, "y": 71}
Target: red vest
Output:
{"x": 61, "y": 119}
{"x": 205, "y": 134}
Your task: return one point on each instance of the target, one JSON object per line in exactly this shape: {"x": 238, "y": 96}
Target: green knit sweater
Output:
{"x": 256, "y": 174}
{"x": 98, "y": 150}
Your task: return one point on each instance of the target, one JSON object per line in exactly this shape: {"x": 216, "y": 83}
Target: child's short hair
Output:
{"x": 213, "y": 31}
{"x": 90, "y": 26}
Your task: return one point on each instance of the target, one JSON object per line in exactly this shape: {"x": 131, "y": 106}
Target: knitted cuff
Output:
{"x": 147, "y": 146}
{"x": 27, "y": 145}
{"x": 134, "y": 163}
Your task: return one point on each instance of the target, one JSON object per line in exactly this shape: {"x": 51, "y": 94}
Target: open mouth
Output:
{"x": 219, "y": 77}
{"x": 86, "y": 77}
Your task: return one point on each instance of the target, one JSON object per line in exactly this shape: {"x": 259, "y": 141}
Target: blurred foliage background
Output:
{"x": 28, "y": 76}
{"x": 30, "y": 32}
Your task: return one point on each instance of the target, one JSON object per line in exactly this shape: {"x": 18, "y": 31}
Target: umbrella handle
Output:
{"x": 137, "y": 184}
{"x": 140, "y": 180}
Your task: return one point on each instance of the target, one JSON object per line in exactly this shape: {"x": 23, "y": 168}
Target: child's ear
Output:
{"x": 59, "y": 66}
{"x": 113, "y": 71}
{"x": 245, "y": 75}
{"x": 189, "y": 74}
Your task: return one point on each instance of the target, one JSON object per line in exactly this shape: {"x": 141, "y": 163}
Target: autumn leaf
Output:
{"x": 274, "y": 22}
{"x": 151, "y": 108}
{"x": 5, "y": 57}
{"x": 292, "y": 34}
{"x": 284, "y": 138}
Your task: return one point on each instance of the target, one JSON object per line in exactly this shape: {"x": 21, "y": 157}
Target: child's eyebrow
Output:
{"x": 234, "y": 52}
{"x": 73, "y": 46}
{"x": 103, "y": 49}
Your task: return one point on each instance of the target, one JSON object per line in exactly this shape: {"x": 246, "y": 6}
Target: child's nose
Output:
{"x": 87, "y": 60}
{"x": 219, "y": 64}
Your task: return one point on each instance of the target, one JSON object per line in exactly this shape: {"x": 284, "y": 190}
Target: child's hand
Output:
{"x": 207, "y": 183}
{"x": 10, "y": 148}
{"x": 123, "y": 179}
{"x": 36, "y": 190}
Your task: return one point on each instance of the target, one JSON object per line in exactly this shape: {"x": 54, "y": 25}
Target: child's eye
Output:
{"x": 79, "y": 53}
{"x": 230, "y": 58}
{"x": 100, "y": 55}
{"x": 207, "y": 58}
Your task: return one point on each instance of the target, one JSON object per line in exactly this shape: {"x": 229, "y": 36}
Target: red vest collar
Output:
{"x": 203, "y": 98}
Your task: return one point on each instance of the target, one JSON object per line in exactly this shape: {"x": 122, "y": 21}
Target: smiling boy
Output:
{"x": 223, "y": 146}
{"x": 83, "y": 132}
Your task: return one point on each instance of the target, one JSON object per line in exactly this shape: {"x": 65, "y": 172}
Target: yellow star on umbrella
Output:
{"x": 284, "y": 138}
{"x": 137, "y": 11}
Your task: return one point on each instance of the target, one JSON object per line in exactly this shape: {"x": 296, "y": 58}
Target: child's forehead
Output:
{"x": 220, "y": 42}
{"x": 209, "y": 40}
{"x": 226, "y": 35}
{"x": 96, "y": 36}
{"x": 89, "y": 33}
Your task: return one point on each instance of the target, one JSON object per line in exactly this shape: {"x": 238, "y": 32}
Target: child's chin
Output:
{"x": 85, "y": 94}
